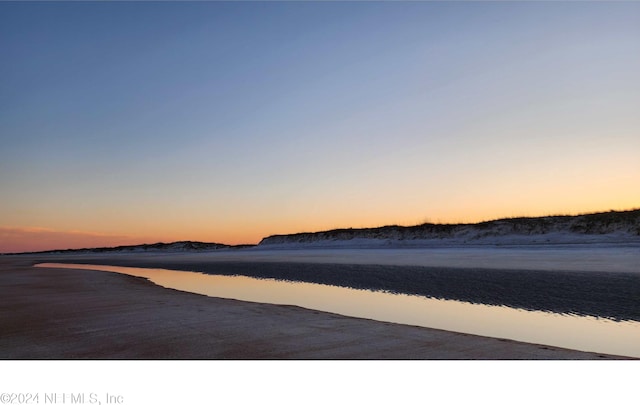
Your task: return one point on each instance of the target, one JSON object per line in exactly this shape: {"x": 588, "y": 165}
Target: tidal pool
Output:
{"x": 584, "y": 333}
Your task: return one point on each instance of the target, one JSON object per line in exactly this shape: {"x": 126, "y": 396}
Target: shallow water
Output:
{"x": 562, "y": 330}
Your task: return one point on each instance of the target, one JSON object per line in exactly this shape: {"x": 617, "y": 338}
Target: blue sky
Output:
{"x": 231, "y": 121}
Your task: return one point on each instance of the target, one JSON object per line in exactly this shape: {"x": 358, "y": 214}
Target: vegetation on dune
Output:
{"x": 625, "y": 222}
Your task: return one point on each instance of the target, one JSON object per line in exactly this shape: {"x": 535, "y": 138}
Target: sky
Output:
{"x": 139, "y": 122}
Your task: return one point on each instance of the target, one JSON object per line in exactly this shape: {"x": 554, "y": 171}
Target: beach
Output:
{"x": 78, "y": 314}
{"x": 588, "y": 280}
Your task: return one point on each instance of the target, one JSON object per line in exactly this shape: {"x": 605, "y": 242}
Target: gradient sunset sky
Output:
{"x": 126, "y": 123}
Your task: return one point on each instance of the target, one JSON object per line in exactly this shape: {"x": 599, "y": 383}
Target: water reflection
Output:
{"x": 575, "y": 332}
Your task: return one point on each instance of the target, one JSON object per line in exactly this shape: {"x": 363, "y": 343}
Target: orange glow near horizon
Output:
{"x": 25, "y": 239}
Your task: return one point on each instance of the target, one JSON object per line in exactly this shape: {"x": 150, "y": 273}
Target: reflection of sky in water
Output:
{"x": 575, "y": 332}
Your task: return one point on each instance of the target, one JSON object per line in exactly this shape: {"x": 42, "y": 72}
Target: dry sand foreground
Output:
{"x": 76, "y": 314}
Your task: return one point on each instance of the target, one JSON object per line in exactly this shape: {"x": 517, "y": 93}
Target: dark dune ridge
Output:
{"x": 620, "y": 223}
{"x": 609, "y": 295}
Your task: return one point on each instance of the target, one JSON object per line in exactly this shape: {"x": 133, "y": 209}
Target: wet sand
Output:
{"x": 604, "y": 290}
{"x": 76, "y": 314}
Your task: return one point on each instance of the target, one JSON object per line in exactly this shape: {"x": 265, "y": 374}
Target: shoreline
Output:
{"x": 75, "y": 314}
{"x": 572, "y": 288}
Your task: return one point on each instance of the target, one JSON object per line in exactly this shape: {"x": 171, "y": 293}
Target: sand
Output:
{"x": 76, "y": 314}
{"x": 609, "y": 287}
